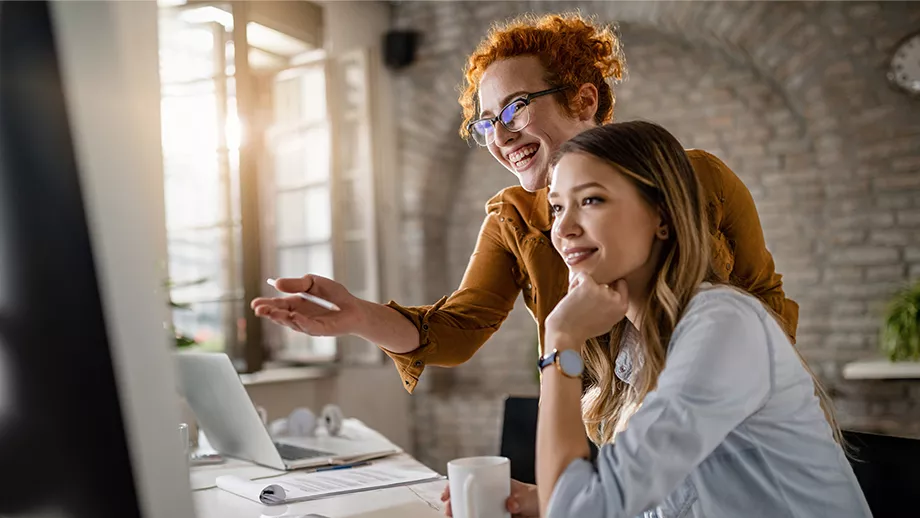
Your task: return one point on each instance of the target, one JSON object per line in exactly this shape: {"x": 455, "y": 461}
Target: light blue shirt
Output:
{"x": 733, "y": 429}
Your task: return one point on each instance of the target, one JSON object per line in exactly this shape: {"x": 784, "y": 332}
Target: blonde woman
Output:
{"x": 702, "y": 403}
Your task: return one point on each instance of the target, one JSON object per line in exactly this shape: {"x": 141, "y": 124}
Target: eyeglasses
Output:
{"x": 514, "y": 117}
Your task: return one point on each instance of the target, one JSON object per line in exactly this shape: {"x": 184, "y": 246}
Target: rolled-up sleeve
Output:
{"x": 454, "y": 328}
{"x": 717, "y": 374}
{"x": 410, "y": 365}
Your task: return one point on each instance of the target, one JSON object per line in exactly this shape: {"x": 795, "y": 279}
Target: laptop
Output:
{"x": 213, "y": 390}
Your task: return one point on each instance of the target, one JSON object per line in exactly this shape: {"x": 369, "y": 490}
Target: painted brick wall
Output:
{"x": 792, "y": 96}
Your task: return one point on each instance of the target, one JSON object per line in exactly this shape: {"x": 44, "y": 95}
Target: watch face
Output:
{"x": 905, "y": 65}
{"x": 571, "y": 363}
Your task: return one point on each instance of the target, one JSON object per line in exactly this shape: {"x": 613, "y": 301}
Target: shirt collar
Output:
{"x": 540, "y": 216}
{"x": 629, "y": 361}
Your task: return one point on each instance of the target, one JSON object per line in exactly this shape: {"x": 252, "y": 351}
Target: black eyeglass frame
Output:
{"x": 526, "y": 99}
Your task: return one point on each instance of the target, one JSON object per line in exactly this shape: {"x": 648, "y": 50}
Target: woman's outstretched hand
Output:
{"x": 304, "y": 316}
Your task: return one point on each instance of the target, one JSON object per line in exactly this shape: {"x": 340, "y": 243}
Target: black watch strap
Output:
{"x": 547, "y": 360}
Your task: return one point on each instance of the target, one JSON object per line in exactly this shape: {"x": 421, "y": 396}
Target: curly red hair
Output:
{"x": 573, "y": 51}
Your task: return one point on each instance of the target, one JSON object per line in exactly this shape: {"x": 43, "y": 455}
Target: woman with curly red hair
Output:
{"x": 531, "y": 85}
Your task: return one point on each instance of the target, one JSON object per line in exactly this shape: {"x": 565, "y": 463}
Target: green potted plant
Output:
{"x": 182, "y": 340}
{"x": 900, "y": 333}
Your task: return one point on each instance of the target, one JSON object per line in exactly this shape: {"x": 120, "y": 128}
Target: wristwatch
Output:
{"x": 568, "y": 362}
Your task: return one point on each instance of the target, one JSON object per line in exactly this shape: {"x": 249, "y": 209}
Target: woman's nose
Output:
{"x": 504, "y": 136}
{"x": 567, "y": 225}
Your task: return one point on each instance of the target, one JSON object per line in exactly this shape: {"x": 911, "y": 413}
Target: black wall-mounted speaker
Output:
{"x": 399, "y": 48}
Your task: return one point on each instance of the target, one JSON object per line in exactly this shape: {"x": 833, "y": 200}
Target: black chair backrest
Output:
{"x": 888, "y": 470}
{"x": 519, "y": 437}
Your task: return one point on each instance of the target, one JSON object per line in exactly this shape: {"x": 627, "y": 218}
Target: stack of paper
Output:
{"x": 295, "y": 487}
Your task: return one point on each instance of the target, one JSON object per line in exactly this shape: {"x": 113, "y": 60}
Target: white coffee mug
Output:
{"x": 479, "y": 487}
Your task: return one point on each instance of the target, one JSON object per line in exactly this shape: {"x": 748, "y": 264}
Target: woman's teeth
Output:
{"x": 521, "y": 164}
{"x": 577, "y": 257}
{"x": 522, "y": 158}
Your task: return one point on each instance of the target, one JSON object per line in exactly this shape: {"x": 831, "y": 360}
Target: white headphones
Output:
{"x": 302, "y": 422}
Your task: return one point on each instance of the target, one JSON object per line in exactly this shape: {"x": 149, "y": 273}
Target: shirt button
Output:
{"x": 529, "y": 286}
{"x": 425, "y": 327}
{"x": 418, "y": 363}
{"x": 407, "y": 382}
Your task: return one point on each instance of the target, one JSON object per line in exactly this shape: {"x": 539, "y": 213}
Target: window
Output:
{"x": 201, "y": 140}
{"x": 315, "y": 211}
{"x": 323, "y": 187}
{"x": 301, "y": 194}
{"x": 357, "y": 247}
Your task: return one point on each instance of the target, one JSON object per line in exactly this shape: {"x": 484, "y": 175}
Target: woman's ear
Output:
{"x": 664, "y": 230}
{"x": 586, "y": 102}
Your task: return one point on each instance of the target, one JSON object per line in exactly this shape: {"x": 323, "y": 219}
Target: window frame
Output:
{"x": 255, "y": 253}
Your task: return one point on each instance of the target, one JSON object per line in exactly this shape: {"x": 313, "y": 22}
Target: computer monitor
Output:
{"x": 88, "y": 413}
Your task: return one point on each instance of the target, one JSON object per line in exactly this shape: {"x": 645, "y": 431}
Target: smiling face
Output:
{"x": 527, "y": 152}
{"x": 603, "y": 226}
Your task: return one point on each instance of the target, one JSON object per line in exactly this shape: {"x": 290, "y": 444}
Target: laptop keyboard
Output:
{"x": 289, "y": 452}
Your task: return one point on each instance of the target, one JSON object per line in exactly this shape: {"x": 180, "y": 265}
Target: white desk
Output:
{"x": 416, "y": 501}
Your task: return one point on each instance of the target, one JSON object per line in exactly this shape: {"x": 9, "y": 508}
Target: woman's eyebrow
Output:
{"x": 577, "y": 188}
{"x": 507, "y": 99}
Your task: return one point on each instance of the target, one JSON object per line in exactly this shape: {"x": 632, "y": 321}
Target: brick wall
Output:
{"x": 792, "y": 96}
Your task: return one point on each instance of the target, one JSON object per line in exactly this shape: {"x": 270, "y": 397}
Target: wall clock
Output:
{"x": 904, "y": 67}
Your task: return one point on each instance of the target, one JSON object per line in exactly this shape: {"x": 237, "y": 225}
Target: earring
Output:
{"x": 663, "y": 233}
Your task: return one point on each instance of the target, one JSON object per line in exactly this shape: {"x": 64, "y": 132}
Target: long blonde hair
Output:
{"x": 653, "y": 159}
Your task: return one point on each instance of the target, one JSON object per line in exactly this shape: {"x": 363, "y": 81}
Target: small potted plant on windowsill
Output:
{"x": 899, "y": 342}
{"x": 182, "y": 340}
{"x": 900, "y": 334}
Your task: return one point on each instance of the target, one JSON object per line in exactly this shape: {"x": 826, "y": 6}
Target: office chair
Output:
{"x": 519, "y": 437}
{"x": 888, "y": 470}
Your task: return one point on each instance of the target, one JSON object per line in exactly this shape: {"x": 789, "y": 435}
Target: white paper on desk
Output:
{"x": 430, "y": 493}
{"x": 307, "y": 486}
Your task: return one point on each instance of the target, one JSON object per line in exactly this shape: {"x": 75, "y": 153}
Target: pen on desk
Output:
{"x": 344, "y": 466}
{"x": 312, "y": 298}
